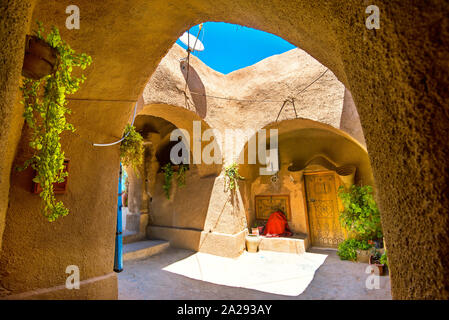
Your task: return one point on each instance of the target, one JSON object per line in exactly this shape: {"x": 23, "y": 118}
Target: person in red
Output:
{"x": 277, "y": 226}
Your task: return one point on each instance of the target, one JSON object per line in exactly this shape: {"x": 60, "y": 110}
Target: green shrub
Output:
{"x": 383, "y": 258}
{"x": 347, "y": 250}
{"x": 360, "y": 215}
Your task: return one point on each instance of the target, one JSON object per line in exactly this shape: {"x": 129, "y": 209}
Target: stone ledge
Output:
{"x": 296, "y": 244}
{"x": 220, "y": 244}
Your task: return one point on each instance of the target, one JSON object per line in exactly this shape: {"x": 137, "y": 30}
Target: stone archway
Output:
{"x": 397, "y": 76}
{"x": 304, "y": 146}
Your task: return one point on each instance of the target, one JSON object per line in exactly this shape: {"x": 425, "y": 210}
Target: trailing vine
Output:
{"x": 168, "y": 176}
{"x": 131, "y": 148}
{"x": 233, "y": 175}
{"x": 181, "y": 174}
{"x": 46, "y": 118}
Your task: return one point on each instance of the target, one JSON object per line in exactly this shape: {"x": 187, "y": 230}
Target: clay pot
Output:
{"x": 252, "y": 243}
{"x": 58, "y": 187}
{"x": 40, "y": 58}
{"x": 379, "y": 268}
{"x": 363, "y": 256}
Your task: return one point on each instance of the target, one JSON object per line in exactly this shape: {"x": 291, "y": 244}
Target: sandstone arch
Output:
{"x": 302, "y": 144}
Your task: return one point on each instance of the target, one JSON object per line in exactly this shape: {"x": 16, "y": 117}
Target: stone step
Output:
{"x": 130, "y": 237}
{"x": 143, "y": 249}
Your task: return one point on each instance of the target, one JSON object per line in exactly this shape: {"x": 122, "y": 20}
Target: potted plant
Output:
{"x": 40, "y": 58}
{"x": 261, "y": 229}
{"x": 131, "y": 148}
{"x": 58, "y": 187}
{"x": 363, "y": 251}
{"x": 378, "y": 262}
{"x": 255, "y": 228}
{"x": 354, "y": 250}
{"x": 45, "y": 110}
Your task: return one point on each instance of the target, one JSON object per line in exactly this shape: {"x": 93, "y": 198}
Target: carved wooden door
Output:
{"x": 323, "y": 209}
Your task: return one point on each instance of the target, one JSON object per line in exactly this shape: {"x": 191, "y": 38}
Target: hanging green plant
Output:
{"x": 131, "y": 148}
{"x": 360, "y": 215}
{"x": 181, "y": 174}
{"x": 169, "y": 172}
{"x": 46, "y": 118}
{"x": 168, "y": 176}
{"x": 232, "y": 173}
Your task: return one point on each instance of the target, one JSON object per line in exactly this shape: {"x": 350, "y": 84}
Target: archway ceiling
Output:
{"x": 127, "y": 40}
{"x": 275, "y": 79}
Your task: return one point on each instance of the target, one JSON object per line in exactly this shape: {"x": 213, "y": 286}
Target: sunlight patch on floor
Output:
{"x": 267, "y": 271}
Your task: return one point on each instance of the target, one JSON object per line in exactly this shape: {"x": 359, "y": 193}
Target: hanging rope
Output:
{"x": 257, "y": 101}
{"x": 107, "y": 144}
{"x": 118, "y": 141}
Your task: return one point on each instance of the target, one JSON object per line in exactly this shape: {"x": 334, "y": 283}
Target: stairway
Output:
{"x": 136, "y": 246}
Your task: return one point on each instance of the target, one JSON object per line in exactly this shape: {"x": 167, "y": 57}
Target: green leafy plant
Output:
{"x": 347, "y": 250}
{"x": 360, "y": 215}
{"x": 131, "y": 148}
{"x": 232, "y": 173}
{"x": 383, "y": 258}
{"x": 168, "y": 176}
{"x": 46, "y": 117}
{"x": 181, "y": 174}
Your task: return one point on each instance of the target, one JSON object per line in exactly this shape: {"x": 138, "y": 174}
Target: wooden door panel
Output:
{"x": 322, "y": 205}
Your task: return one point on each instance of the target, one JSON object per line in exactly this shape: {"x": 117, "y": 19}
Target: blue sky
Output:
{"x": 229, "y": 47}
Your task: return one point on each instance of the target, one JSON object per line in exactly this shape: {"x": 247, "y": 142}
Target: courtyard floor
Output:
{"x": 183, "y": 274}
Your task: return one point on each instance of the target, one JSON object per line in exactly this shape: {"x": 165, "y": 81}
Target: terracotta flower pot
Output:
{"x": 379, "y": 268}
{"x": 58, "y": 187}
{"x": 40, "y": 58}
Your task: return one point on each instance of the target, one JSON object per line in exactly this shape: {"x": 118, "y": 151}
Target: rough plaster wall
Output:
{"x": 398, "y": 76}
{"x": 350, "y": 120}
{"x": 14, "y": 22}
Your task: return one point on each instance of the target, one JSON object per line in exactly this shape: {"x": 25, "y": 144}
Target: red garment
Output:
{"x": 277, "y": 226}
